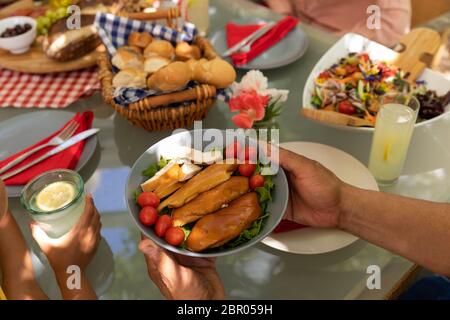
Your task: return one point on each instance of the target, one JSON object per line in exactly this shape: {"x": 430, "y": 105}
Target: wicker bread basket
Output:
{"x": 169, "y": 111}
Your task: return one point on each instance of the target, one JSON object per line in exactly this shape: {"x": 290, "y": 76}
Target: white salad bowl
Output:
{"x": 358, "y": 44}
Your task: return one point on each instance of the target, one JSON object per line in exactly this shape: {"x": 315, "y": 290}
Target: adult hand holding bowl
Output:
{"x": 17, "y": 34}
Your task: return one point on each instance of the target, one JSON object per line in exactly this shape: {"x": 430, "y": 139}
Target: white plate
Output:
{"x": 313, "y": 240}
{"x": 285, "y": 52}
{"x": 355, "y": 43}
{"x": 22, "y": 131}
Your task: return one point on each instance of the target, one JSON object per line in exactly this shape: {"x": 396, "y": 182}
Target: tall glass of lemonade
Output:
{"x": 198, "y": 14}
{"x": 55, "y": 200}
{"x": 392, "y": 137}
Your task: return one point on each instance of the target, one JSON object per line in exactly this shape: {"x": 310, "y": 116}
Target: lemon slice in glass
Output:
{"x": 55, "y": 196}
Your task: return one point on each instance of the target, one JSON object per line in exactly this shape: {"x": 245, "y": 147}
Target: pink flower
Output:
{"x": 251, "y": 107}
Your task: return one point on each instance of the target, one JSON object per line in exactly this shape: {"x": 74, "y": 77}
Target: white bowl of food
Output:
{"x": 434, "y": 85}
{"x": 186, "y": 201}
{"x": 17, "y": 34}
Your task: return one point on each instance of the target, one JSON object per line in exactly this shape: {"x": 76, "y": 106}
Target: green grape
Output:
{"x": 65, "y": 3}
{"x": 39, "y": 23}
{"x": 50, "y": 14}
{"x": 61, "y": 12}
{"x": 46, "y": 22}
{"x": 55, "y": 3}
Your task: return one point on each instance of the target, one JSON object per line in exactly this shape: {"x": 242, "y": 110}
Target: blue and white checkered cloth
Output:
{"x": 114, "y": 32}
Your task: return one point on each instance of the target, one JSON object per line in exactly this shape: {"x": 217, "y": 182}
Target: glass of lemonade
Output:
{"x": 198, "y": 14}
{"x": 55, "y": 200}
{"x": 392, "y": 137}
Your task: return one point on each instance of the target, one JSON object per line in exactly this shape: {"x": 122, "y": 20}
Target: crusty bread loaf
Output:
{"x": 172, "y": 77}
{"x": 216, "y": 72}
{"x": 128, "y": 57}
{"x": 184, "y": 52}
{"x": 160, "y": 48}
{"x": 153, "y": 64}
{"x": 63, "y": 44}
{"x": 130, "y": 78}
{"x": 139, "y": 39}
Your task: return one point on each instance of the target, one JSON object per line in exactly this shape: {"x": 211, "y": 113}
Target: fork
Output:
{"x": 65, "y": 134}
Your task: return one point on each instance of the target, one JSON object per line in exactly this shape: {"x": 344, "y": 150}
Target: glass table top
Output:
{"x": 119, "y": 271}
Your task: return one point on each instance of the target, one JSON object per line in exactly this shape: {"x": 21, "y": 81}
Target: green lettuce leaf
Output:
{"x": 154, "y": 168}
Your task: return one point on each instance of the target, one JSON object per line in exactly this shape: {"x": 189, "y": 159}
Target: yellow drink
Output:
{"x": 392, "y": 137}
{"x": 198, "y": 14}
{"x": 55, "y": 200}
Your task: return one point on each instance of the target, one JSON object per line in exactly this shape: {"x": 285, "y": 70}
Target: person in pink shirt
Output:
{"x": 342, "y": 16}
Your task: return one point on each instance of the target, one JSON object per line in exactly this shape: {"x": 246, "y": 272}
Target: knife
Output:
{"x": 255, "y": 35}
{"x": 72, "y": 141}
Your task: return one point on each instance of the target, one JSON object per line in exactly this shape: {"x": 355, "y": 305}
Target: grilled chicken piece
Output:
{"x": 166, "y": 176}
{"x": 203, "y": 181}
{"x": 188, "y": 170}
{"x": 166, "y": 190}
{"x": 210, "y": 201}
{"x": 218, "y": 228}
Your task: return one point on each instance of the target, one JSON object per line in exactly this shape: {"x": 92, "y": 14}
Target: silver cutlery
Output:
{"x": 249, "y": 40}
{"x": 65, "y": 134}
{"x": 67, "y": 144}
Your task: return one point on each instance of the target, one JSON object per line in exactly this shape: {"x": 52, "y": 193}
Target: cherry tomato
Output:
{"x": 325, "y": 75}
{"x": 350, "y": 69}
{"x": 164, "y": 222}
{"x": 346, "y": 108}
{"x": 233, "y": 150}
{"x": 174, "y": 236}
{"x": 365, "y": 57}
{"x": 148, "y": 216}
{"x": 256, "y": 181}
{"x": 249, "y": 153}
{"x": 247, "y": 169}
{"x": 146, "y": 199}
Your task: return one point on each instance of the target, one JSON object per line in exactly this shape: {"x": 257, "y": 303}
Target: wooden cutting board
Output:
{"x": 35, "y": 61}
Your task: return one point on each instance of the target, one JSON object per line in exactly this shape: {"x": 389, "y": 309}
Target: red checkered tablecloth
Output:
{"x": 56, "y": 90}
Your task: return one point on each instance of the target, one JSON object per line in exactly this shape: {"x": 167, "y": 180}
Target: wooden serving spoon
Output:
{"x": 419, "y": 44}
{"x": 336, "y": 118}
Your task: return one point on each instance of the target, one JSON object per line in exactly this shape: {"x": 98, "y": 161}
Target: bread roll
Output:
{"x": 172, "y": 77}
{"x": 193, "y": 64}
{"x": 217, "y": 72}
{"x": 160, "y": 48}
{"x": 130, "y": 78}
{"x": 139, "y": 39}
{"x": 128, "y": 57}
{"x": 153, "y": 64}
{"x": 184, "y": 52}
{"x": 136, "y": 49}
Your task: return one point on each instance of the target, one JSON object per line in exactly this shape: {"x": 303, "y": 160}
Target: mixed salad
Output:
{"x": 354, "y": 85}
{"x": 177, "y": 221}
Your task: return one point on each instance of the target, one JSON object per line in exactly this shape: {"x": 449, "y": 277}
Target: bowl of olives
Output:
{"x": 17, "y": 34}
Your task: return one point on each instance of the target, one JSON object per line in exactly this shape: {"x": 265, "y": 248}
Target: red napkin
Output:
{"x": 287, "y": 225}
{"x": 236, "y": 33}
{"x": 66, "y": 159}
